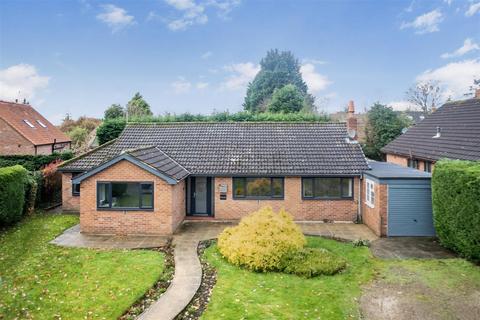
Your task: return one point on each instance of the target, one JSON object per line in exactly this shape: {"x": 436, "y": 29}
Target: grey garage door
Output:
{"x": 410, "y": 210}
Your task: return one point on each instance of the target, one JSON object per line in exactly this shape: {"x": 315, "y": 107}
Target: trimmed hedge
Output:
{"x": 110, "y": 129}
{"x": 13, "y": 185}
{"x": 33, "y": 163}
{"x": 456, "y": 206}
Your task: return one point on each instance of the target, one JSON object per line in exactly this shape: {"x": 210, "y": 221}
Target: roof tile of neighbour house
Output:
{"x": 459, "y": 124}
{"x": 239, "y": 148}
{"x": 30, "y": 124}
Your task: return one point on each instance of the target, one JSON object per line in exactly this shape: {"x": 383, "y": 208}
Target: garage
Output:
{"x": 397, "y": 201}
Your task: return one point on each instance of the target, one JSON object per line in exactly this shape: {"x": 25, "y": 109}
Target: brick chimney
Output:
{"x": 352, "y": 121}
{"x": 477, "y": 93}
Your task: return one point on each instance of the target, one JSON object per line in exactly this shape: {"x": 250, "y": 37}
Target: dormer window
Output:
{"x": 29, "y": 123}
{"x": 41, "y": 123}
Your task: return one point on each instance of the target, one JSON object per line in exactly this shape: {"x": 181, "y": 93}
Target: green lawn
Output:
{"x": 241, "y": 294}
{"x": 42, "y": 281}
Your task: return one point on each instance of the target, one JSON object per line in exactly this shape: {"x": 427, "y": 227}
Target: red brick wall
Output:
{"x": 69, "y": 202}
{"x": 314, "y": 210}
{"x": 403, "y": 161}
{"x": 376, "y": 218}
{"x": 168, "y": 212}
{"x": 12, "y": 142}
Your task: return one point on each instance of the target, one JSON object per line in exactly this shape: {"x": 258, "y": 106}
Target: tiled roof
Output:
{"x": 30, "y": 124}
{"x": 241, "y": 148}
{"x": 459, "y": 124}
{"x": 159, "y": 160}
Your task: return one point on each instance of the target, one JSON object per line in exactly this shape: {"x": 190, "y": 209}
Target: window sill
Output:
{"x": 370, "y": 205}
{"x": 328, "y": 199}
{"x": 124, "y": 209}
{"x": 258, "y": 198}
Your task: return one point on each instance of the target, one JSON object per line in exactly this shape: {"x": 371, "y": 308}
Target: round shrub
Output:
{"x": 311, "y": 262}
{"x": 261, "y": 240}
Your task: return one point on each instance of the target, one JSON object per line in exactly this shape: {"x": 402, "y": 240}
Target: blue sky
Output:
{"x": 190, "y": 55}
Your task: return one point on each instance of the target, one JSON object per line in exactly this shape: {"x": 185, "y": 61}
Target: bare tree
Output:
{"x": 426, "y": 95}
{"x": 473, "y": 88}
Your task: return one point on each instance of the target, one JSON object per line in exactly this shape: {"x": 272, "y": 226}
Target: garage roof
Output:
{"x": 387, "y": 170}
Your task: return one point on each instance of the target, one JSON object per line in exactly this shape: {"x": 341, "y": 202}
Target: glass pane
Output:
{"x": 347, "y": 187}
{"x": 76, "y": 188}
{"x": 258, "y": 187}
{"x": 308, "y": 188}
{"x": 239, "y": 187}
{"x": 327, "y": 188}
{"x": 103, "y": 192}
{"x": 125, "y": 195}
{"x": 147, "y": 187}
{"x": 201, "y": 195}
{"x": 147, "y": 200}
{"x": 277, "y": 187}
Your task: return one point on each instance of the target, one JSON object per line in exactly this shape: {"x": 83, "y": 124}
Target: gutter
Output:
{"x": 359, "y": 209}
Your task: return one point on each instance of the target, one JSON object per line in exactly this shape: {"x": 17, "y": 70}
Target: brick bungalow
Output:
{"x": 453, "y": 132}
{"x": 154, "y": 176}
{"x": 24, "y": 131}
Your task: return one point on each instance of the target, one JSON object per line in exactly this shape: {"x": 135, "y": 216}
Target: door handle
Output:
{"x": 194, "y": 194}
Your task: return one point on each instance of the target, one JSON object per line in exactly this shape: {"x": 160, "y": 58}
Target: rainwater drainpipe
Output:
{"x": 359, "y": 209}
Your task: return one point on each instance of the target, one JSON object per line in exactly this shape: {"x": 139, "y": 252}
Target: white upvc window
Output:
{"x": 41, "y": 123}
{"x": 370, "y": 193}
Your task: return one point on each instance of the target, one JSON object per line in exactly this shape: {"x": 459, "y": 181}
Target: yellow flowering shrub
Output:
{"x": 261, "y": 240}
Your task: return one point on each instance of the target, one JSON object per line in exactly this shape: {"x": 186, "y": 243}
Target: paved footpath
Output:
{"x": 188, "y": 270}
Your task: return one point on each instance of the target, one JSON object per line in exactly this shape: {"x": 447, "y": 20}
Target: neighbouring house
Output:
{"x": 154, "y": 176}
{"x": 24, "y": 131}
{"x": 360, "y": 119}
{"x": 452, "y": 131}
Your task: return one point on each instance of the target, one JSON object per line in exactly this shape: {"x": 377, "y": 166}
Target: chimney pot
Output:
{"x": 352, "y": 121}
{"x": 477, "y": 93}
{"x": 351, "y": 107}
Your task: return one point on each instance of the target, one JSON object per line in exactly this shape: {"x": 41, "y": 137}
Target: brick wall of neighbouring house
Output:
{"x": 70, "y": 203}
{"x": 314, "y": 210}
{"x": 403, "y": 161}
{"x": 376, "y": 218}
{"x": 12, "y": 142}
{"x": 169, "y": 207}
{"x": 44, "y": 149}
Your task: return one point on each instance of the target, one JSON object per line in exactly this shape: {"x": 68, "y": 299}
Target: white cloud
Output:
{"x": 206, "y": 55}
{"x": 468, "y": 45}
{"x": 241, "y": 75}
{"x": 314, "y": 61}
{"x": 448, "y": 2}
{"x": 472, "y": 9}
{"x": 455, "y": 77}
{"x": 402, "y": 106}
{"x": 202, "y": 85}
{"x": 314, "y": 80}
{"x": 194, "y": 13}
{"x": 425, "y": 23}
{"x": 115, "y": 17}
{"x": 20, "y": 82}
{"x": 152, "y": 15}
{"x": 181, "y": 85}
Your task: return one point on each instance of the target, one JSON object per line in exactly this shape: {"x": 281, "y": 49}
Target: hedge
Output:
{"x": 456, "y": 206}
{"x": 33, "y": 163}
{"x": 13, "y": 185}
{"x": 111, "y": 129}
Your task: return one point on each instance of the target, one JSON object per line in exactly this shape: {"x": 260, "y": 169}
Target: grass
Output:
{"x": 241, "y": 294}
{"x": 43, "y": 281}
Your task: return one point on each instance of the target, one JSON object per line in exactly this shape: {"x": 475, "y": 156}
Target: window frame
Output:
{"x": 246, "y": 197}
{"x": 75, "y": 193}
{"x": 140, "y": 193}
{"x": 329, "y": 198}
{"x": 427, "y": 166}
{"x": 369, "y": 189}
{"x": 413, "y": 163}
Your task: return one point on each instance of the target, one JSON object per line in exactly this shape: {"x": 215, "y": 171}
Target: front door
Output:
{"x": 200, "y": 196}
